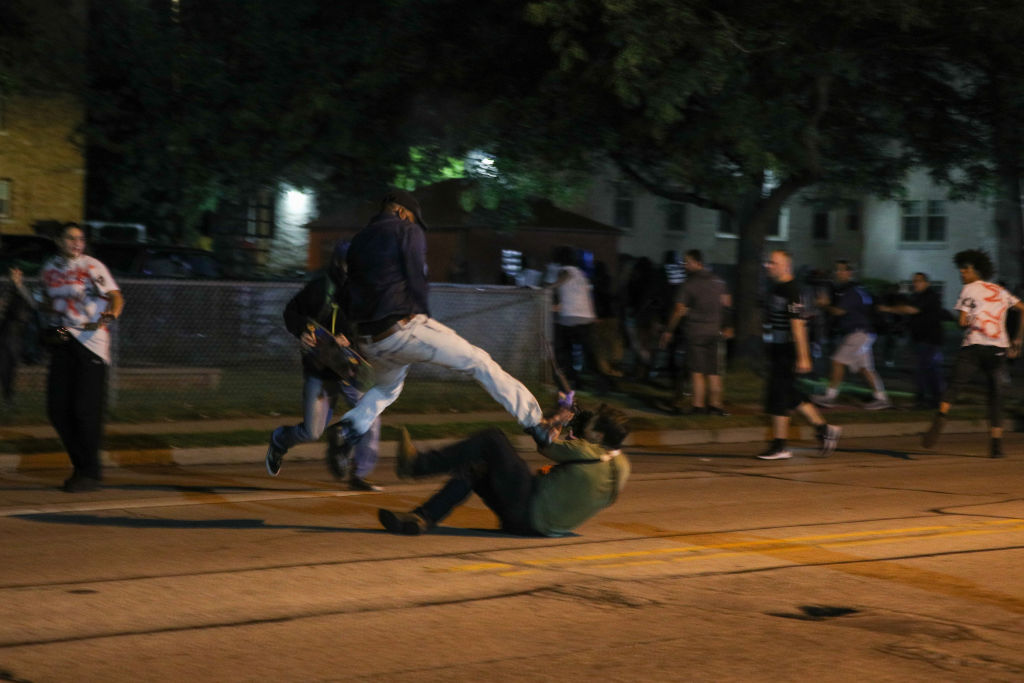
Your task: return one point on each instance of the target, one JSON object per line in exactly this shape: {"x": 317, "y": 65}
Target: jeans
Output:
{"x": 424, "y": 340}
{"x": 318, "y": 400}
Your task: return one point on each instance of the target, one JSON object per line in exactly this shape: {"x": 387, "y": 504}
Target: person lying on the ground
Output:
{"x": 588, "y": 473}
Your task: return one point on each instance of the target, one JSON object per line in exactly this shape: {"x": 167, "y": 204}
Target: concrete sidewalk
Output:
{"x": 650, "y": 440}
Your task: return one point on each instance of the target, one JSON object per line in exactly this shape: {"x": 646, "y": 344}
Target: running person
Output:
{"x": 386, "y": 296}
{"x": 788, "y": 355}
{"x": 321, "y": 386}
{"x": 983, "y": 309}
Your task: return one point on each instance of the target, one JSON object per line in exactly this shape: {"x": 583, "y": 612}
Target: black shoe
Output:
{"x": 340, "y": 440}
{"x": 81, "y": 484}
{"x": 715, "y": 410}
{"x": 273, "y": 459}
{"x": 931, "y": 437}
{"x": 996, "y": 450}
{"x": 359, "y": 484}
{"x": 404, "y": 523}
{"x": 405, "y": 461}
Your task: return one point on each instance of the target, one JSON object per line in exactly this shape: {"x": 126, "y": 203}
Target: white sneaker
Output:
{"x": 776, "y": 454}
{"x": 878, "y": 404}
{"x": 823, "y": 401}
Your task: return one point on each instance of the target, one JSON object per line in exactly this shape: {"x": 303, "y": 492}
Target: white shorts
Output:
{"x": 855, "y": 351}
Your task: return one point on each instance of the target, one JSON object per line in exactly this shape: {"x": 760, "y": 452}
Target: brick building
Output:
{"x": 42, "y": 169}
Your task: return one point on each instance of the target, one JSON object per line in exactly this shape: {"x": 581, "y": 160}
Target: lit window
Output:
{"x": 511, "y": 262}
{"x": 5, "y": 198}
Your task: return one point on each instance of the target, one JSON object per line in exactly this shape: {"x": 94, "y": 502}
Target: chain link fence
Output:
{"x": 222, "y": 348}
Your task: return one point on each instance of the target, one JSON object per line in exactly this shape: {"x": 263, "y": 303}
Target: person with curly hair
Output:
{"x": 983, "y": 308}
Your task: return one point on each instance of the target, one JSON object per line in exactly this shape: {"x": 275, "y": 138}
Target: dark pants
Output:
{"x": 928, "y": 373}
{"x": 988, "y": 359}
{"x": 485, "y": 464}
{"x": 75, "y": 397}
{"x": 10, "y": 353}
{"x": 569, "y": 337}
{"x": 781, "y": 391}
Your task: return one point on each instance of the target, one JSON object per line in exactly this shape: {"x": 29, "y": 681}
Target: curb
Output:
{"x": 253, "y": 455}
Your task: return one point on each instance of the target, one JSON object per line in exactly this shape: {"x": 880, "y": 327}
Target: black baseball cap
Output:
{"x": 403, "y": 198}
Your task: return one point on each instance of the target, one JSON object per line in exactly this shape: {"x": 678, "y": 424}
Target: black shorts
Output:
{"x": 702, "y": 354}
{"x": 781, "y": 391}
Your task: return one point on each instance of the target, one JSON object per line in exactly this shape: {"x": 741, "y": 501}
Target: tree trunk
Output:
{"x": 750, "y": 258}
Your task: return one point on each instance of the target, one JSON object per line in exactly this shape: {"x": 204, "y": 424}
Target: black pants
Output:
{"x": 988, "y": 359}
{"x": 75, "y": 398}
{"x": 10, "y": 354}
{"x": 485, "y": 464}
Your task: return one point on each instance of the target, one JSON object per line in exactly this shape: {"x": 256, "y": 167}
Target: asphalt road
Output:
{"x": 882, "y": 563}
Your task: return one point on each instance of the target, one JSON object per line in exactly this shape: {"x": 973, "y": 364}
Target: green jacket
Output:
{"x": 587, "y": 479}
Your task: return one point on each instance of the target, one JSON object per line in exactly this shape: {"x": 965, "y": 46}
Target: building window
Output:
{"x": 5, "y": 198}
{"x": 675, "y": 216}
{"x": 725, "y": 224}
{"x": 924, "y": 221}
{"x": 936, "y": 221}
{"x": 623, "y": 207}
{"x": 819, "y": 225}
{"x": 259, "y": 215}
{"x": 853, "y": 217}
{"x": 779, "y": 230}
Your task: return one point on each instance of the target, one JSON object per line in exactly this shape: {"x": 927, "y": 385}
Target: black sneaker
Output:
{"x": 340, "y": 440}
{"x": 828, "y": 440}
{"x": 81, "y": 484}
{"x": 931, "y": 437}
{"x": 776, "y": 454}
{"x": 715, "y": 410}
{"x": 274, "y": 458}
{"x": 404, "y": 523}
{"x": 359, "y": 484}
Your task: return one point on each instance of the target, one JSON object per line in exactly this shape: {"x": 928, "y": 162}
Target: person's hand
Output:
{"x": 342, "y": 340}
{"x": 665, "y": 340}
{"x": 17, "y": 277}
{"x": 803, "y": 366}
{"x": 308, "y": 339}
{"x": 1015, "y": 347}
{"x": 728, "y": 333}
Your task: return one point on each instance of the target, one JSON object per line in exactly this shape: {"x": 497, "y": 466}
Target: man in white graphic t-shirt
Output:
{"x": 983, "y": 306}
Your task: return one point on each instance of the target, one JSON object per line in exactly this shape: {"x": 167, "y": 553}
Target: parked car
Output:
{"x": 156, "y": 260}
{"x": 27, "y": 252}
